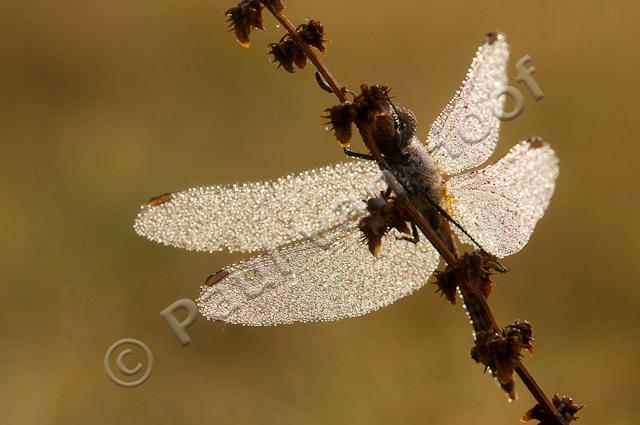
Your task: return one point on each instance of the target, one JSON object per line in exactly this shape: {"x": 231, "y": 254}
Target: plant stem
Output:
{"x": 468, "y": 289}
{"x": 337, "y": 88}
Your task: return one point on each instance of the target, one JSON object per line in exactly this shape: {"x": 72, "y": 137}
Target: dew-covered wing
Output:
{"x": 466, "y": 132}
{"x": 257, "y": 216}
{"x": 329, "y": 277}
{"x": 500, "y": 204}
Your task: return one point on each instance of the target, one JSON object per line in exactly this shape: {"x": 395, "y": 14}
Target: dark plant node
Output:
{"x": 243, "y": 18}
{"x": 500, "y": 351}
{"x": 384, "y": 214}
{"x": 287, "y": 52}
{"x": 564, "y": 405}
{"x": 475, "y": 266}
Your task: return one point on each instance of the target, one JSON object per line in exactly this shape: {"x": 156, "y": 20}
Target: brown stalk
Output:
{"x": 468, "y": 289}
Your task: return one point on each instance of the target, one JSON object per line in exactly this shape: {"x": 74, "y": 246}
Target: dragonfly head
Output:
{"x": 406, "y": 124}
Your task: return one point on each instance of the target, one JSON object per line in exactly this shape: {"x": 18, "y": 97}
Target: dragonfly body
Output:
{"x": 310, "y": 262}
{"x": 413, "y": 166}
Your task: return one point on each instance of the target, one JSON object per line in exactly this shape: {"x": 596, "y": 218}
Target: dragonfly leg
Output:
{"x": 353, "y": 154}
{"x": 415, "y": 236}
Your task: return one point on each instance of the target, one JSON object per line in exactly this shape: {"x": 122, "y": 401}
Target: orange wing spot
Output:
{"x": 216, "y": 277}
{"x": 160, "y": 199}
{"x": 536, "y": 142}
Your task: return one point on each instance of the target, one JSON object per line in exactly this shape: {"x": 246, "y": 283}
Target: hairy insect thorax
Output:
{"x": 411, "y": 163}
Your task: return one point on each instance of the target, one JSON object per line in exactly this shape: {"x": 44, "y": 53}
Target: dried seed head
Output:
{"x": 565, "y": 406}
{"x": 473, "y": 266}
{"x": 384, "y": 214}
{"x": 372, "y": 102}
{"x": 523, "y": 332}
{"x": 313, "y": 34}
{"x": 485, "y": 267}
{"x": 499, "y": 352}
{"x": 286, "y": 53}
{"x": 374, "y": 110}
{"x": 243, "y": 18}
{"x": 391, "y": 127}
{"x": 448, "y": 280}
{"x": 341, "y": 118}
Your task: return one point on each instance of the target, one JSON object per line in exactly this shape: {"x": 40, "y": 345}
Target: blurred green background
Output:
{"x": 105, "y": 104}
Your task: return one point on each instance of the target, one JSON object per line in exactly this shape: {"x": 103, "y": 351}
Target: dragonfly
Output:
{"x": 310, "y": 262}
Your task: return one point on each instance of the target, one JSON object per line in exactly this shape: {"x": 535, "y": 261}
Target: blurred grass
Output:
{"x": 106, "y": 104}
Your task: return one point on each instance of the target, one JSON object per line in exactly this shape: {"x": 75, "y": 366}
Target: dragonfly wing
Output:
{"x": 326, "y": 278}
{"x": 257, "y": 216}
{"x": 466, "y": 132}
{"x": 500, "y": 204}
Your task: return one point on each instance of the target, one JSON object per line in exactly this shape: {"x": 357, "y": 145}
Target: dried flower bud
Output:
{"x": 386, "y": 121}
{"x": 286, "y": 53}
{"x": 448, "y": 280}
{"x": 313, "y": 34}
{"x": 341, "y": 118}
{"x": 373, "y": 101}
{"x": 486, "y": 268}
{"x": 384, "y": 214}
{"x": 564, "y": 405}
{"x": 522, "y": 330}
{"x": 243, "y": 18}
{"x": 499, "y": 352}
{"x": 389, "y": 126}
{"x": 374, "y": 93}
{"x": 478, "y": 267}
{"x": 371, "y": 108}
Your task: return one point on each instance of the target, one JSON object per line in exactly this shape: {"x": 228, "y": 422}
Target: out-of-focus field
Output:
{"x": 104, "y": 104}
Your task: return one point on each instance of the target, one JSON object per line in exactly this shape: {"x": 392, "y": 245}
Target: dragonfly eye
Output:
{"x": 406, "y": 124}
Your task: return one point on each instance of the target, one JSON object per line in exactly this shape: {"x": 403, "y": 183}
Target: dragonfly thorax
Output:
{"x": 413, "y": 166}
{"x": 411, "y": 162}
